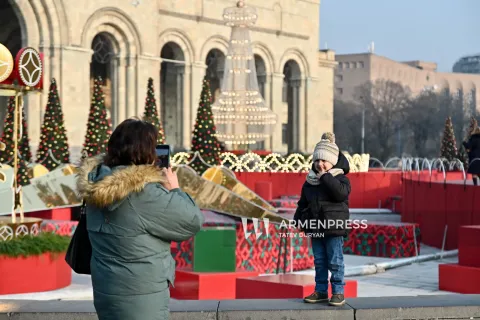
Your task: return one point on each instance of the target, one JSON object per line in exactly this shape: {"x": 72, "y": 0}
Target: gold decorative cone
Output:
{"x": 223, "y": 177}
{"x": 37, "y": 170}
{"x": 211, "y": 196}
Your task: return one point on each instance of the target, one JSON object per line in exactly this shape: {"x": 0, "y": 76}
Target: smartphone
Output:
{"x": 163, "y": 155}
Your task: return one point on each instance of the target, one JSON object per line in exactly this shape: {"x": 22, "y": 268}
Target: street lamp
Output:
{"x": 363, "y": 127}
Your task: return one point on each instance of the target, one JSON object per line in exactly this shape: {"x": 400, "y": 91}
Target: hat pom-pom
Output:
{"x": 330, "y": 136}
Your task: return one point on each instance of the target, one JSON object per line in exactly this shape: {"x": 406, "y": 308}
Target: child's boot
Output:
{"x": 337, "y": 300}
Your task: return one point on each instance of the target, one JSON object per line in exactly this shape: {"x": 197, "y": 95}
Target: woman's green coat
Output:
{"x": 131, "y": 220}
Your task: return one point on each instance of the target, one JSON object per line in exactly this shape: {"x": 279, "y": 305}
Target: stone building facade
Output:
{"x": 177, "y": 43}
{"x": 355, "y": 69}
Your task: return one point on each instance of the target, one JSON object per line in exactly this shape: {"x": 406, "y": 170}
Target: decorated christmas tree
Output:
{"x": 449, "y": 145}
{"x": 204, "y": 140}
{"x": 151, "y": 113}
{"x": 24, "y": 145}
{"x": 98, "y": 127}
{"x": 7, "y": 155}
{"x": 22, "y": 173}
{"x": 53, "y": 148}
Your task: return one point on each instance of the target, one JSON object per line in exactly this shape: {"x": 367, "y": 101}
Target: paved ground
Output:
{"x": 412, "y": 280}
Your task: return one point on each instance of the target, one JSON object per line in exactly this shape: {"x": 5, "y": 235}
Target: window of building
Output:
{"x": 340, "y": 65}
{"x": 338, "y": 91}
{"x": 284, "y": 133}
{"x": 360, "y": 65}
{"x": 339, "y": 78}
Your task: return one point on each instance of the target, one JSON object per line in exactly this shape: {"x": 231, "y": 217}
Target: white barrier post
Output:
{"x": 444, "y": 239}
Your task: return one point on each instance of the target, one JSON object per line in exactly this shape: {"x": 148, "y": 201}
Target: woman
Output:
{"x": 473, "y": 148}
{"x": 134, "y": 210}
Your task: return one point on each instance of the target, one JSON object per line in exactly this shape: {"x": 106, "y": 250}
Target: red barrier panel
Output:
{"x": 357, "y": 183}
{"x": 458, "y": 211}
{"x": 432, "y": 218}
{"x": 264, "y": 190}
{"x": 416, "y": 203}
{"x": 469, "y": 246}
{"x": 476, "y": 206}
{"x": 283, "y": 183}
{"x": 377, "y": 184}
{"x": 368, "y": 188}
{"x": 408, "y": 198}
{"x": 437, "y": 204}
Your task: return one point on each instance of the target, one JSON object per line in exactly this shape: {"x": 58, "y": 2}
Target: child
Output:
{"x": 322, "y": 213}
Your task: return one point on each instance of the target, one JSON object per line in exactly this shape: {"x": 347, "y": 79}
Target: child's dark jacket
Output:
{"x": 326, "y": 201}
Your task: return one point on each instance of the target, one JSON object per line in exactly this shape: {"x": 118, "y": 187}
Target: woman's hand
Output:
{"x": 172, "y": 180}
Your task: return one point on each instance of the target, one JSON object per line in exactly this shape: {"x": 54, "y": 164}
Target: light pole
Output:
{"x": 363, "y": 130}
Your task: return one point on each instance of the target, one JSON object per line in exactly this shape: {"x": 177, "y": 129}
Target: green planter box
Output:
{"x": 214, "y": 250}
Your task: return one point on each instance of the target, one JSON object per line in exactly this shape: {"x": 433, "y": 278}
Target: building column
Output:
{"x": 302, "y": 92}
{"x": 187, "y": 110}
{"x": 295, "y": 85}
{"x": 76, "y": 96}
{"x": 131, "y": 108}
{"x": 277, "y": 103}
{"x": 147, "y": 67}
{"x": 198, "y": 73}
{"x": 47, "y": 77}
{"x": 119, "y": 110}
{"x": 319, "y": 107}
{"x": 179, "y": 72}
{"x": 265, "y": 90}
{"x": 35, "y": 103}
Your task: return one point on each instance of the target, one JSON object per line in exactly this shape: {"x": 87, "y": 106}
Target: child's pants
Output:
{"x": 328, "y": 256}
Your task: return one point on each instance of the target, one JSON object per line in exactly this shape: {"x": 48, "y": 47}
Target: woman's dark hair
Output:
{"x": 132, "y": 142}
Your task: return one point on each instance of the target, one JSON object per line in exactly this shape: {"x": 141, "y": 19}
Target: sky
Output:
{"x": 440, "y": 31}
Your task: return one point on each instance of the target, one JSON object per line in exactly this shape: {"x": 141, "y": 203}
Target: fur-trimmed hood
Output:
{"x": 103, "y": 186}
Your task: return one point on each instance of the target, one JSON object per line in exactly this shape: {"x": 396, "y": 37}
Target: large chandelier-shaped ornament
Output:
{"x": 240, "y": 113}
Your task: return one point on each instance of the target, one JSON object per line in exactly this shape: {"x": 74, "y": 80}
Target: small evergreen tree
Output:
{"x": 24, "y": 145}
{"x": 204, "y": 134}
{"x": 449, "y": 145}
{"x": 98, "y": 126}
{"x": 53, "y": 137}
{"x": 22, "y": 173}
{"x": 7, "y": 155}
{"x": 151, "y": 113}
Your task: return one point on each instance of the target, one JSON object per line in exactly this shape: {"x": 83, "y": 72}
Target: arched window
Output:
{"x": 171, "y": 93}
{"x": 292, "y": 83}
{"x": 103, "y": 65}
{"x": 10, "y": 37}
{"x": 215, "y": 64}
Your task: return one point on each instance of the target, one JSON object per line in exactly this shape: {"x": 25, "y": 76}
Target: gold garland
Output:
{"x": 252, "y": 162}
